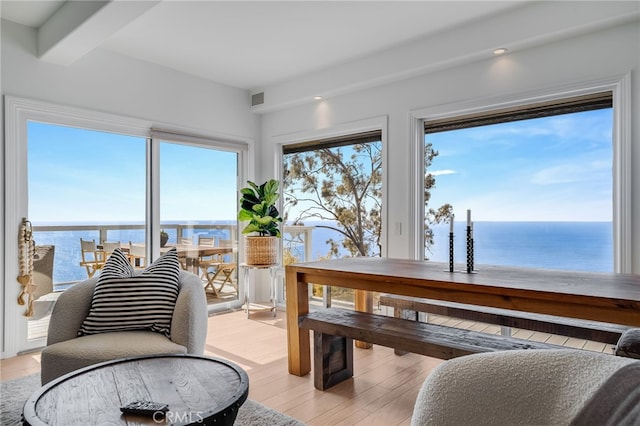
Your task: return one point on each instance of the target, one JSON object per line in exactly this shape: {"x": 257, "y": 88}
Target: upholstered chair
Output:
{"x": 66, "y": 351}
{"x": 531, "y": 387}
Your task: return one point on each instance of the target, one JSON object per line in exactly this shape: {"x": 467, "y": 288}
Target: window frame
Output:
{"x": 337, "y": 131}
{"x": 619, "y": 86}
{"x": 17, "y": 112}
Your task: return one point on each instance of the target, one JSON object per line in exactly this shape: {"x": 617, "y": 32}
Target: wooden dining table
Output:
{"x": 193, "y": 252}
{"x": 189, "y": 250}
{"x": 606, "y": 297}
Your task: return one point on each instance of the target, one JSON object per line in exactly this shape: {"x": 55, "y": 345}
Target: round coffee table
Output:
{"x": 198, "y": 390}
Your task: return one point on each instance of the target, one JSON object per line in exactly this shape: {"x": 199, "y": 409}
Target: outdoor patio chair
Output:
{"x": 109, "y": 247}
{"x": 205, "y": 240}
{"x": 185, "y": 261}
{"x": 92, "y": 258}
{"x": 137, "y": 255}
{"x": 222, "y": 275}
{"x": 44, "y": 297}
{"x": 219, "y": 270}
{"x": 204, "y": 262}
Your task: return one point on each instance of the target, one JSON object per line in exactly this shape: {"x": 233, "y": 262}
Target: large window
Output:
{"x": 333, "y": 197}
{"x": 537, "y": 179}
{"x": 336, "y": 185}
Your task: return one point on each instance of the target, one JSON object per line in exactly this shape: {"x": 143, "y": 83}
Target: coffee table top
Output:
{"x": 198, "y": 389}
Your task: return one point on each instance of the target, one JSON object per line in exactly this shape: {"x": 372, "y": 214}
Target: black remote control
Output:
{"x": 146, "y": 408}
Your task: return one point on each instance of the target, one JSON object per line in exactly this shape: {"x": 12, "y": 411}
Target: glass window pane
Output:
{"x": 198, "y": 209}
{"x": 83, "y": 184}
{"x": 333, "y": 204}
{"x": 540, "y": 192}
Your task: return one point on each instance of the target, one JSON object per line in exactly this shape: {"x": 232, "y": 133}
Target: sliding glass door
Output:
{"x": 90, "y": 182}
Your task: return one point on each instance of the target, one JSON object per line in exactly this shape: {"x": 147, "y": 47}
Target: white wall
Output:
{"x": 589, "y": 57}
{"x": 107, "y": 82}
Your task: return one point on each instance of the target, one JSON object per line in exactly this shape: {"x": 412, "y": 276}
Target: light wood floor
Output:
{"x": 382, "y": 391}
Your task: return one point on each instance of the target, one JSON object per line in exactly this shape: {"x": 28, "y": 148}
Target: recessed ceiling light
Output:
{"x": 500, "y": 51}
{"x": 317, "y": 98}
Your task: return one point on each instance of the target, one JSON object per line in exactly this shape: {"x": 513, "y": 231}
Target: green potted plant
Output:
{"x": 258, "y": 207}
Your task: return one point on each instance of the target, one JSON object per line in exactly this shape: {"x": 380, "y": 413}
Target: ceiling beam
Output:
{"x": 78, "y": 27}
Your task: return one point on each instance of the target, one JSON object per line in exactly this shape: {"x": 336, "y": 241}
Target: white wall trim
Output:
{"x": 416, "y": 188}
{"x": 622, "y": 194}
{"x": 12, "y": 218}
{"x": 78, "y": 117}
{"x": 343, "y": 129}
{"x": 619, "y": 85}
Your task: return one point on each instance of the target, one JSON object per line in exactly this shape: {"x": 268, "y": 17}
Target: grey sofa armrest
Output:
{"x": 190, "y": 315}
{"x": 70, "y": 310}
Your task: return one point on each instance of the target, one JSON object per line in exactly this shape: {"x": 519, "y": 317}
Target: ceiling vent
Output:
{"x": 257, "y": 99}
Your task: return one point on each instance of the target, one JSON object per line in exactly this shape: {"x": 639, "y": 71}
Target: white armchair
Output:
{"x": 520, "y": 387}
{"x": 66, "y": 352}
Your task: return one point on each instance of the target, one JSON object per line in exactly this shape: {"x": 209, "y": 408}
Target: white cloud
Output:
{"x": 525, "y": 205}
{"x": 562, "y": 128}
{"x": 442, "y": 172}
{"x": 568, "y": 173}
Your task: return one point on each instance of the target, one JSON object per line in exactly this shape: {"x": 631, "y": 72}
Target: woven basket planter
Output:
{"x": 261, "y": 250}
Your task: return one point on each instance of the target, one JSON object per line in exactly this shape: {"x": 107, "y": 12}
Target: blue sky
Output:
{"x": 546, "y": 169}
{"x": 197, "y": 183}
{"x": 79, "y": 176}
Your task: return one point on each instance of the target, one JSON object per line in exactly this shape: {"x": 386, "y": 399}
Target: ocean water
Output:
{"x": 580, "y": 246}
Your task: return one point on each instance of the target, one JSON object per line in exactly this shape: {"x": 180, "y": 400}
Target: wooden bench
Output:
{"x": 570, "y": 327}
{"x": 335, "y": 330}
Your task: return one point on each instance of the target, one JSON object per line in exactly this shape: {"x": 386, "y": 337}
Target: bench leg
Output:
{"x": 404, "y": 314}
{"x": 332, "y": 360}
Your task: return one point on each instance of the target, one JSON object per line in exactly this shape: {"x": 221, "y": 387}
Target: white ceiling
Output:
{"x": 253, "y": 44}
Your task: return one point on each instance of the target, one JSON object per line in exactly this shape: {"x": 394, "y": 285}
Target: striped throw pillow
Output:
{"x": 124, "y": 300}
